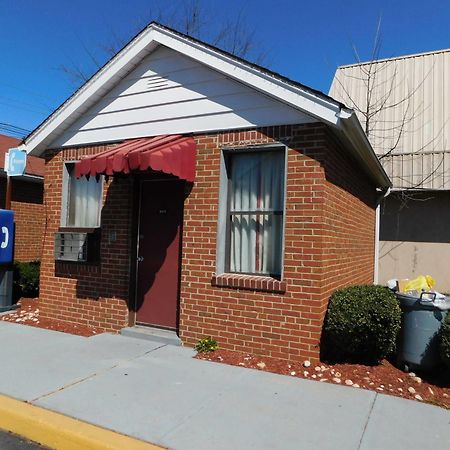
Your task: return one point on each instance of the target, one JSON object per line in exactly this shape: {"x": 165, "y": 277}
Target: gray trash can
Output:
{"x": 6, "y": 283}
{"x": 421, "y": 322}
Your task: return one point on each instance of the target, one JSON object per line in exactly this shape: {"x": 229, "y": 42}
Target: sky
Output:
{"x": 43, "y": 41}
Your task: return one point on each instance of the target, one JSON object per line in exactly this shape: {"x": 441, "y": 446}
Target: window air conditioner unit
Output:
{"x": 75, "y": 246}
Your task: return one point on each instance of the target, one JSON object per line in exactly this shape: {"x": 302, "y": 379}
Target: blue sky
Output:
{"x": 303, "y": 40}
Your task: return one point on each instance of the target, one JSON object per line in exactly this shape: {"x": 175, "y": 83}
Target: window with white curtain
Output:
{"x": 82, "y": 200}
{"x": 255, "y": 212}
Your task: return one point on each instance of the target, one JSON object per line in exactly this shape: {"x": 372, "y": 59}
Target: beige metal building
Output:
{"x": 404, "y": 105}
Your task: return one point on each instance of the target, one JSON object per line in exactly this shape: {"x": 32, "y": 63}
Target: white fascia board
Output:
{"x": 303, "y": 99}
{"x": 362, "y": 149}
{"x": 143, "y": 44}
{"x": 137, "y": 49}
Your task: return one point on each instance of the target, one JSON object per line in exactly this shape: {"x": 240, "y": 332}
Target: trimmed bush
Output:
{"x": 445, "y": 341}
{"x": 26, "y": 279}
{"x": 362, "y": 324}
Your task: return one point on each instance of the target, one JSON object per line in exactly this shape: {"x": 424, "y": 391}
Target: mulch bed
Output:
{"x": 28, "y": 314}
{"x": 384, "y": 378}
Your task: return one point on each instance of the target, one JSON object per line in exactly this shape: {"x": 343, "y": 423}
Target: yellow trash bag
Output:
{"x": 421, "y": 283}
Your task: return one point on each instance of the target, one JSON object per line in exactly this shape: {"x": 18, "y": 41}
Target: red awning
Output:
{"x": 171, "y": 154}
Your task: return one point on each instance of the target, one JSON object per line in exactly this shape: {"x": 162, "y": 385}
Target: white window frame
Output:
{"x": 65, "y": 198}
{"x": 222, "y": 248}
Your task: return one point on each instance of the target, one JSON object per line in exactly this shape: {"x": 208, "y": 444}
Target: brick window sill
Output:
{"x": 249, "y": 282}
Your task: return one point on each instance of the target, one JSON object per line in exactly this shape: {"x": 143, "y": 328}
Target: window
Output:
{"x": 255, "y": 212}
{"x": 82, "y": 200}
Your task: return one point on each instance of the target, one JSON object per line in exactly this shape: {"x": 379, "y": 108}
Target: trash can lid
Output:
{"x": 443, "y": 304}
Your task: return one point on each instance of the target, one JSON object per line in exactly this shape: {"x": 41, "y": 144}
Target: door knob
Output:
{"x": 140, "y": 258}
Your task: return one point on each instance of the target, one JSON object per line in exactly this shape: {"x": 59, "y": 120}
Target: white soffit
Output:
{"x": 302, "y": 99}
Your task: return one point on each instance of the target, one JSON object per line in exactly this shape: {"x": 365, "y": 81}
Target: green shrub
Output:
{"x": 206, "y": 345}
{"x": 26, "y": 279}
{"x": 362, "y": 324}
{"x": 445, "y": 341}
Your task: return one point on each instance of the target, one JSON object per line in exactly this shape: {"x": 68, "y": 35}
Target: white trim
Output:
{"x": 301, "y": 98}
{"x": 24, "y": 177}
{"x": 154, "y": 35}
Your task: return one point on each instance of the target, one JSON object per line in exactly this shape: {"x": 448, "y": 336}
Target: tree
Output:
{"x": 190, "y": 17}
{"x": 387, "y": 103}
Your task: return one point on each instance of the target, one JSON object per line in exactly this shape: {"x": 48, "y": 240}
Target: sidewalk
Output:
{"x": 160, "y": 394}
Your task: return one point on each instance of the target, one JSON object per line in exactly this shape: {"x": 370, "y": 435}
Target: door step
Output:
{"x": 152, "y": 334}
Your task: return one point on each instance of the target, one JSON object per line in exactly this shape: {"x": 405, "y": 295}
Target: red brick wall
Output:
{"x": 29, "y": 217}
{"x": 93, "y": 294}
{"x": 322, "y": 249}
{"x": 329, "y": 242}
{"x": 349, "y": 242}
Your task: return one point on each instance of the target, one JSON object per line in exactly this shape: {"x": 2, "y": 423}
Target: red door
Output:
{"x": 158, "y": 267}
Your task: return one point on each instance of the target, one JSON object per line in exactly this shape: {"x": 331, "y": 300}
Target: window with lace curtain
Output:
{"x": 255, "y": 212}
{"x": 82, "y": 200}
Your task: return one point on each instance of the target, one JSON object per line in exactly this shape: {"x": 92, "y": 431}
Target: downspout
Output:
{"x": 377, "y": 234}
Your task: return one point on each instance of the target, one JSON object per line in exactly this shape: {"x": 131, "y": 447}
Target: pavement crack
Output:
{"x": 95, "y": 374}
{"x": 367, "y": 421}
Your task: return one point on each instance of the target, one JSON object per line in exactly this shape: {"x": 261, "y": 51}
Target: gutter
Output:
{"x": 25, "y": 177}
{"x": 361, "y": 148}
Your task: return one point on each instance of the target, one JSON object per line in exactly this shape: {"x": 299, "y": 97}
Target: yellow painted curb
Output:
{"x": 61, "y": 432}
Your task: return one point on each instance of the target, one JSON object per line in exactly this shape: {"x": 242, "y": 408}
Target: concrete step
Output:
{"x": 152, "y": 334}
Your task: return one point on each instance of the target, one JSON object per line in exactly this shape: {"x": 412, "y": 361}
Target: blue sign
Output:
{"x": 16, "y": 162}
{"x": 6, "y": 236}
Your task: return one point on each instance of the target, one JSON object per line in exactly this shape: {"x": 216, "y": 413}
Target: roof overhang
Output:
{"x": 311, "y": 102}
{"x": 361, "y": 149}
{"x": 300, "y": 97}
{"x": 25, "y": 177}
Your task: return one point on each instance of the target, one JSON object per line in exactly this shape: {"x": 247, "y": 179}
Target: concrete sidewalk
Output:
{"x": 160, "y": 394}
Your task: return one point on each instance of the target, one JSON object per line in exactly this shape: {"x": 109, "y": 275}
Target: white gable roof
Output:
{"x": 169, "y": 93}
{"x": 71, "y": 120}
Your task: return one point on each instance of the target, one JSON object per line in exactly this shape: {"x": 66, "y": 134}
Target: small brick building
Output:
{"x": 190, "y": 190}
{"x": 26, "y": 201}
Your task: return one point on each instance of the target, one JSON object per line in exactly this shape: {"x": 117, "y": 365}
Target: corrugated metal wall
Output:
{"x": 409, "y": 109}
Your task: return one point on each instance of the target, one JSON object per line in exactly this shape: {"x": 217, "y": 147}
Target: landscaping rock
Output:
{"x": 337, "y": 380}
{"x": 261, "y": 365}
{"x": 306, "y": 363}
{"x": 418, "y": 397}
{"x": 349, "y": 382}
{"x": 411, "y": 390}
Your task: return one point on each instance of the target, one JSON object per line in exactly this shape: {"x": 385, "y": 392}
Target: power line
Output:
{"x": 14, "y": 130}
